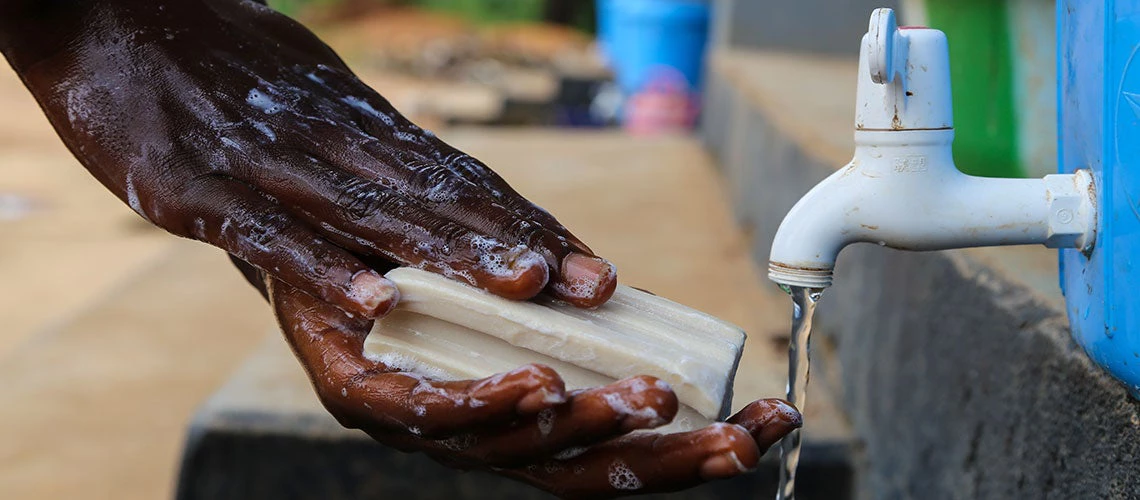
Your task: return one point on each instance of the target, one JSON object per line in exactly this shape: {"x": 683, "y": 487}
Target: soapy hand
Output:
{"x": 521, "y": 424}
{"x": 226, "y": 122}
{"x": 223, "y": 121}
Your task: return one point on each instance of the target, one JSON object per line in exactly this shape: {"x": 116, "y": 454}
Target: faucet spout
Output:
{"x": 902, "y": 190}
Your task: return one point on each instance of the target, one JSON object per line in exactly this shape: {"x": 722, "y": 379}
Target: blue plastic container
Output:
{"x": 645, "y": 38}
{"x": 1098, "y": 80}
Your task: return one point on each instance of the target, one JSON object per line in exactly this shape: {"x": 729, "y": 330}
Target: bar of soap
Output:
{"x": 450, "y": 331}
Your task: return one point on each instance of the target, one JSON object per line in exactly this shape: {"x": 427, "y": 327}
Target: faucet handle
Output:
{"x": 888, "y": 49}
{"x": 904, "y": 77}
{"x": 885, "y": 44}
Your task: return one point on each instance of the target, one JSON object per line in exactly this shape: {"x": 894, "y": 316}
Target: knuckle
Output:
{"x": 248, "y": 234}
{"x": 361, "y": 198}
{"x": 722, "y": 436}
{"x": 468, "y": 165}
{"x": 264, "y": 231}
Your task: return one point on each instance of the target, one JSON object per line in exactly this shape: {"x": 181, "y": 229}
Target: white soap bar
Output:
{"x": 449, "y": 330}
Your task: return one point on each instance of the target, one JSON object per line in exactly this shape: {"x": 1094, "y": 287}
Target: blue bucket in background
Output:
{"x": 656, "y": 49}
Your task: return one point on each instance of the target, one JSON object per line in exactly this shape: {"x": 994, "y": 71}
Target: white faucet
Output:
{"x": 902, "y": 189}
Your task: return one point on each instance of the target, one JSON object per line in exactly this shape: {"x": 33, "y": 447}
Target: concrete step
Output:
{"x": 96, "y": 405}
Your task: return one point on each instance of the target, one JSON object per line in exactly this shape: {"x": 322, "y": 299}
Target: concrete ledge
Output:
{"x": 957, "y": 368}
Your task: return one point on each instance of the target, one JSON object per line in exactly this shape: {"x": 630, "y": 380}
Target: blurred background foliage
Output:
{"x": 576, "y": 13}
{"x": 485, "y": 62}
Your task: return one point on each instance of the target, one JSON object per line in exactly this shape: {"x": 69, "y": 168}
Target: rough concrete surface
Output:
{"x": 820, "y": 26}
{"x": 958, "y": 371}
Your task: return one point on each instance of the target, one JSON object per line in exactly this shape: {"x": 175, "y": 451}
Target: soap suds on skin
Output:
{"x": 736, "y": 461}
{"x": 569, "y": 453}
{"x": 638, "y": 386}
{"x": 622, "y": 477}
{"x": 460, "y": 443}
{"x": 546, "y": 421}
{"x": 265, "y": 130}
{"x": 404, "y": 363}
{"x": 260, "y": 100}
{"x": 620, "y": 405}
{"x": 132, "y": 196}
{"x": 363, "y": 106}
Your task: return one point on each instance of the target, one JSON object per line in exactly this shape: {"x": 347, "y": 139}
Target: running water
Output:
{"x": 803, "y": 307}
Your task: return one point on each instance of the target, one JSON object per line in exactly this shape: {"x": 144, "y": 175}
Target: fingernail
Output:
{"x": 722, "y": 466}
{"x": 586, "y": 281}
{"x": 374, "y": 294}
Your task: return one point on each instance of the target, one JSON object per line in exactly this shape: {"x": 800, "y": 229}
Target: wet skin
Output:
{"x": 225, "y": 122}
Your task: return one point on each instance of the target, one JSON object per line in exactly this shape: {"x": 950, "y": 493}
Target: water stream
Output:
{"x": 803, "y": 308}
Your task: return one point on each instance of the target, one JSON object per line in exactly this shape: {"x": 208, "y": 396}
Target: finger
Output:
{"x": 389, "y": 224}
{"x": 768, "y": 421}
{"x": 480, "y": 199}
{"x": 241, "y": 221}
{"x": 478, "y": 173}
{"x": 458, "y": 187}
{"x": 389, "y": 394}
{"x": 648, "y": 463}
{"x": 501, "y": 192}
{"x": 590, "y": 417}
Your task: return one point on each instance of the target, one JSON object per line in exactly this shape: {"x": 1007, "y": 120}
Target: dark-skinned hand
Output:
{"x": 226, "y": 122}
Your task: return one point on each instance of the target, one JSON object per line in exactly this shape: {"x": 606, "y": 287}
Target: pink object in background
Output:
{"x": 666, "y": 104}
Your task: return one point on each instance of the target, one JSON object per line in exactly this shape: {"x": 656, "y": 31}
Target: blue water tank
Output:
{"x": 643, "y": 38}
{"x": 1098, "y": 87}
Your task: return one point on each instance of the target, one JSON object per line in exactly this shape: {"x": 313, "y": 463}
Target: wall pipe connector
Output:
{"x": 902, "y": 190}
